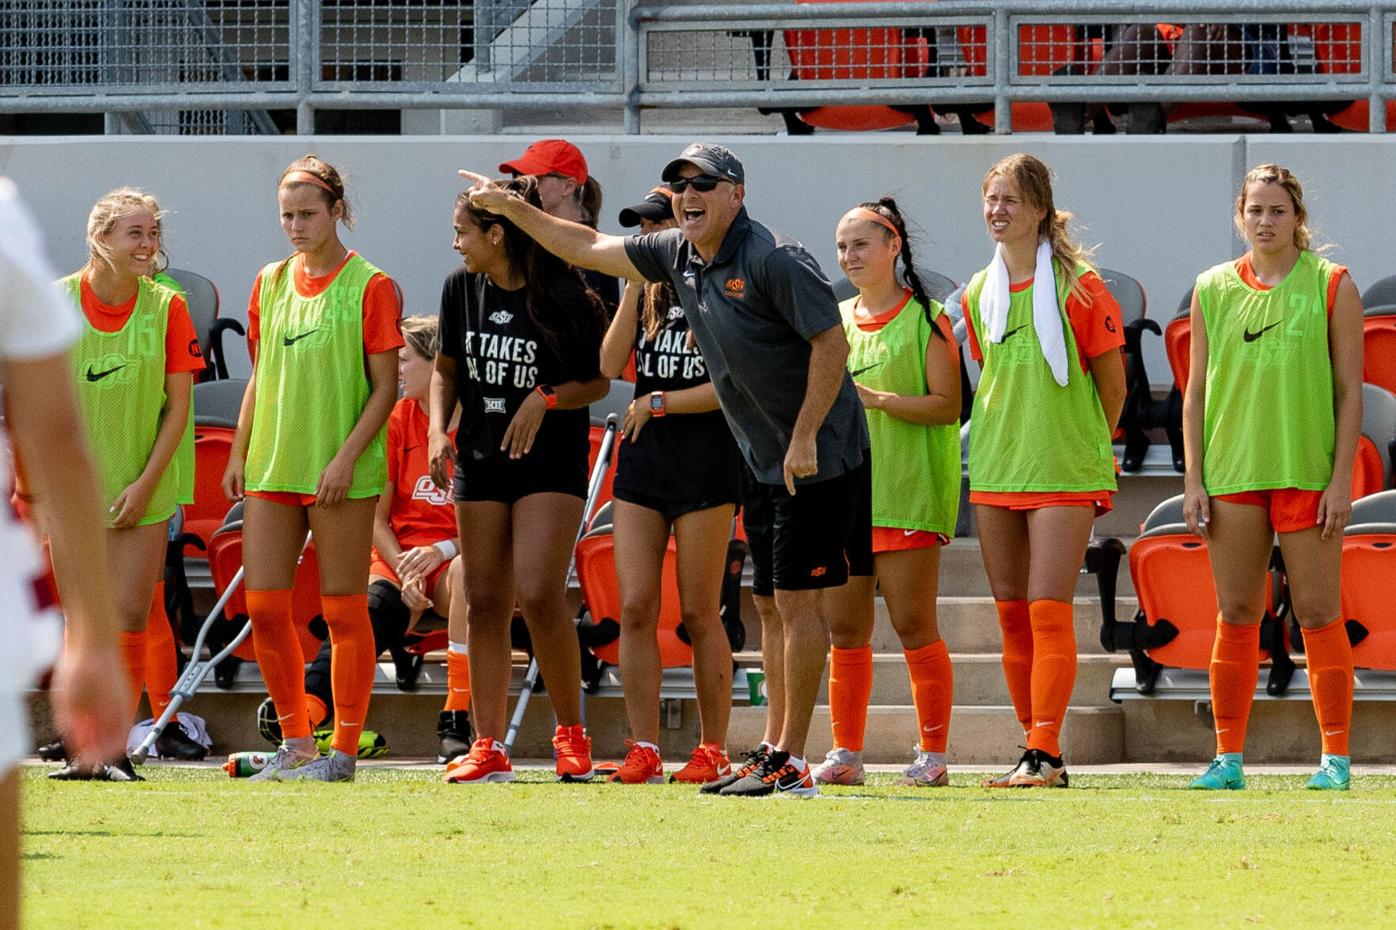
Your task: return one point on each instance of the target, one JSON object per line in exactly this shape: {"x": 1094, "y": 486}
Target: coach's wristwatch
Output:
{"x": 657, "y": 404}
{"x": 549, "y": 396}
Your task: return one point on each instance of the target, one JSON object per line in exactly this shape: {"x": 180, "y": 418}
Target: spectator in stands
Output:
{"x": 323, "y": 325}
{"x": 90, "y": 692}
{"x": 1041, "y": 466}
{"x": 520, "y": 342}
{"x": 662, "y": 486}
{"x": 415, "y": 543}
{"x": 1278, "y": 333}
{"x": 768, "y": 327}
{"x": 906, "y": 366}
{"x": 134, "y": 361}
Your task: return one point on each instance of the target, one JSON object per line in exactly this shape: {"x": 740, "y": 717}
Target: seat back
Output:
{"x": 596, "y": 573}
{"x": 218, "y": 403}
{"x": 1177, "y": 342}
{"x": 1372, "y": 470}
{"x": 1375, "y": 509}
{"x": 1379, "y": 348}
{"x": 1165, "y": 513}
{"x": 1381, "y": 294}
{"x": 1128, "y": 293}
{"x": 212, "y": 445}
{"x": 1369, "y": 562}
{"x": 201, "y": 297}
{"x": 225, "y": 558}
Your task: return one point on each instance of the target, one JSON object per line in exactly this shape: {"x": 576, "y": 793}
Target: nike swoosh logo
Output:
{"x": 910, "y": 532}
{"x": 854, "y": 374}
{"x": 785, "y": 784}
{"x": 1331, "y": 732}
{"x": 1012, "y": 331}
{"x": 1253, "y": 336}
{"x": 292, "y": 340}
{"x": 99, "y": 375}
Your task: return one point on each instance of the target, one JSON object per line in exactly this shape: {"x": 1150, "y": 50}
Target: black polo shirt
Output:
{"x": 753, "y": 311}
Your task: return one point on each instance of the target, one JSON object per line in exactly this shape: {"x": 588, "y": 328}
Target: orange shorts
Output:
{"x": 1291, "y": 509}
{"x": 1037, "y": 500}
{"x": 377, "y": 566}
{"x": 894, "y": 539}
{"x": 284, "y": 498}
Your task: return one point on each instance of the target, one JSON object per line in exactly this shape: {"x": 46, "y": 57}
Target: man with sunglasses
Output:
{"x": 768, "y": 326}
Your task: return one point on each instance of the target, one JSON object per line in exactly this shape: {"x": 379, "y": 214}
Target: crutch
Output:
{"x": 598, "y": 474}
{"x": 196, "y": 671}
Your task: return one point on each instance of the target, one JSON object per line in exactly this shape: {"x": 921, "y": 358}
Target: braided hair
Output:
{"x": 886, "y": 207}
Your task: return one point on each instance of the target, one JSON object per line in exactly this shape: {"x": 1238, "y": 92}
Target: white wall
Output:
{"x": 1159, "y": 208}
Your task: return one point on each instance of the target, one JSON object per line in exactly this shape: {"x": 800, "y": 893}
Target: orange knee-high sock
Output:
{"x": 1233, "y": 671}
{"x": 353, "y": 658}
{"x": 932, "y": 691}
{"x": 850, "y": 687}
{"x": 1053, "y": 672}
{"x": 1328, "y": 653}
{"x": 316, "y": 710}
{"x": 457, "y": 681}
{"x": 161, "y": 660}
{"x": 1017, "y": 657}
{"x": 280, "y": 658}
{"x": 133, "y": 657}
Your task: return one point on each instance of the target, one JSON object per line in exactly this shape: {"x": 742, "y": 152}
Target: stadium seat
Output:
{"x": 596, "y": 572}
{"x": 1056, "y": 38}
{"x": 1369, "y": 562}
{"x": 216, "y": 406}
{"x": 201, "y": 296}
{"x": 1371, "y": 471}
{"x": 1138, "y": 414}
{"x": 1380, "y": 295}
{"x": 1379, "y": 346}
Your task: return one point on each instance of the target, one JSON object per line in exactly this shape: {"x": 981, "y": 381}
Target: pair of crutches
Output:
{"x": 598, "y": 476}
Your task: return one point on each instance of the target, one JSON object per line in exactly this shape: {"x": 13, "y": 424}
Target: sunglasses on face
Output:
{"x": 702, "y": 183}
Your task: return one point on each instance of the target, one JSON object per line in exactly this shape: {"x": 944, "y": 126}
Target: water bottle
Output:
{"x": 246, "y": 764}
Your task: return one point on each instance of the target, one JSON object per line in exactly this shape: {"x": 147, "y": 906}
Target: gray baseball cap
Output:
{"x": 716, "y": 160}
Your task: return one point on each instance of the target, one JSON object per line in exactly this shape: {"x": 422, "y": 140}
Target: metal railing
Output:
{"x": 220, "y": 65}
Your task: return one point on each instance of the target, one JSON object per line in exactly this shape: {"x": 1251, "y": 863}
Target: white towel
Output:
{"x": 1046, "y": 314}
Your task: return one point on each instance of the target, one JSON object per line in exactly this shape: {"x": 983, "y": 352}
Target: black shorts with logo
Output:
{"x": 558, "y": 470}
{"x": 816, "y": 539}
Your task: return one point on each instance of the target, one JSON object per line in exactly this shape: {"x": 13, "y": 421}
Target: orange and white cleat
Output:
{"x": 707, "y": 764}
{"x": 486, "y": 762}
{"x": 573, "y": 749}
{"x": 642, "y": 766}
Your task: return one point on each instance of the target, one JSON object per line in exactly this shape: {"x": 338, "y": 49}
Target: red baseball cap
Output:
{"x": 549, "y": 156}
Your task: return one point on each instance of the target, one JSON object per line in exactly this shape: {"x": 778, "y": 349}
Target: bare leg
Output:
{"x": 806, "y": 648}
{"x": 773, "y": 665}
{"x": 702, "y": 538}
{"x": 488, "y": 585}
{"x": 544, "y": 529}
{"x": 641, "y": 536}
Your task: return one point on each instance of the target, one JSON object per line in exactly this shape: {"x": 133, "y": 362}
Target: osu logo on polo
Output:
{"x": 735, "y": 288}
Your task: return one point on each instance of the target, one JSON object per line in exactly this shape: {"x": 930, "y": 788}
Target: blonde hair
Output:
{"x": 331, "y": 186}
{"x": 1275, "y": 174}
{"x": 422, "y": 334}
{"x": 1034, "y": 182}
{"x": 105, "y": 214}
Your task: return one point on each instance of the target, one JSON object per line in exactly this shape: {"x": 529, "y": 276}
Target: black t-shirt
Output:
{"x": 679, "y": 457}
{"x": 501, "y": 355}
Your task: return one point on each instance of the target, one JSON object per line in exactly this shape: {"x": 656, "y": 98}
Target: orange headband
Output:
{"x": 299, "y": 176}
{"x": 872, "y": 216}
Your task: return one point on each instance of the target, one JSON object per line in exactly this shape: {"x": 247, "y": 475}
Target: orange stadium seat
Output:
{"x": 1033, "y": 39}
{"x": 596, "y": 572}
{"x": 1369, "y": 561}
{"x": 216, "y": 406}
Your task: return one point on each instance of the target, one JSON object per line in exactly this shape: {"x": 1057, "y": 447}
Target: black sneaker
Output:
{"x": 752, "y": 760}
{"x": 52, "y": 752}
{"x": 115, "y": 770}
{"x": 456, "y": 734}
{"x": 775, "y": 775}
{"x": 1039, "y": 770}
{"x": 174, "y": 743}
{"x": 267, "y": 724}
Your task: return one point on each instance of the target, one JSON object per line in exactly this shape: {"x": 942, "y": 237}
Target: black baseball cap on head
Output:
{"x": 716, "y": 160}
{"x": 657, "y": 206}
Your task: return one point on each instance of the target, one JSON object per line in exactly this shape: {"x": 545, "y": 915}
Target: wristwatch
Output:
{"x": 657, "y": 404}
{"x": 549, "y": 396}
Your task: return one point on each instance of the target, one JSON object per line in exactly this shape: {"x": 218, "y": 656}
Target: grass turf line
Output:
{"x": 191, "y": 848}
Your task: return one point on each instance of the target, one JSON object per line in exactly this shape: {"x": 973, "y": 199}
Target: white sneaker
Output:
{"x": 928, "y": 771}
{"x": 840, "y": 767}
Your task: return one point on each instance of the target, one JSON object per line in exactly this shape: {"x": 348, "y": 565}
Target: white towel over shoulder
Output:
{"x": 1046, "y": 314}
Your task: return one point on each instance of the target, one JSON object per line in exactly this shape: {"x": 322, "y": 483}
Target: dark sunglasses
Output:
{"x": 702, "y": 183}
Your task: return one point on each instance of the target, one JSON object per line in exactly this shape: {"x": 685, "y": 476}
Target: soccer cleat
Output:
{"x": 115, "y": 770}
{"x": 174, "y": 743}
{"x": 267, "y": 724}
{"x": 287, "y": 759}
{"x": 927, "y": 771}
{"x": 1224, "y": 774}
{"x": 1037, "y": 769}
{"x": 456, "y": 734}
{"x": 52, "y": 752}
{"x": 707, "y": 764}
{"x": 840, "y": 767}
{"x": 336, "y": 766}
{"x": 776, "y": 775}
{"x": 572, "y": 747}
{"x": 484, "y": 763}
{"x": 752, "y": 760}
{"x": 1333, "y": 774}
{"x": 642, "y": 766}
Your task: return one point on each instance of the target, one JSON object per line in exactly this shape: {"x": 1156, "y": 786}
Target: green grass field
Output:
{"x": 192, "y": 848}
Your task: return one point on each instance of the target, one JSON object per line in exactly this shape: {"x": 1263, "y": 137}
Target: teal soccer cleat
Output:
{"x": 1333, "y": 774}
{"x": 1224, "y": 774}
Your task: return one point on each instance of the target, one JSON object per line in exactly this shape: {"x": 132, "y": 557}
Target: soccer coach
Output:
{"x": 768, "y": 326}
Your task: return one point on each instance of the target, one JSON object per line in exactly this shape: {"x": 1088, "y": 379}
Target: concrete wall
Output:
{"x": 1158, "y": 208}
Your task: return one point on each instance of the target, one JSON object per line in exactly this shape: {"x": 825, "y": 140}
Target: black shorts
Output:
{"x": 815, "y": 539}
{"x": 670, "y": 510}
{"x": 498, "y": 478}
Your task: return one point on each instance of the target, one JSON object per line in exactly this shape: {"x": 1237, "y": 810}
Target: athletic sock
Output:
{"x": 1053, "y": 672}
{"x": 316, "y": 710}
{"x": 1016, "y": 625}
{"x": 799, "y": 763}
{"x": 457, "y": 679}
{"x": 161, "y": 658}
{"x": 133, "y": 657}
{"x": 280, "y": 658}
{"x": 352, "y": 664}
{"x": 932, "y": 691}
{"x": 1329, "y": 657}
{"x": 1232, "y": 673}
{"x": 850, "y": 687}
